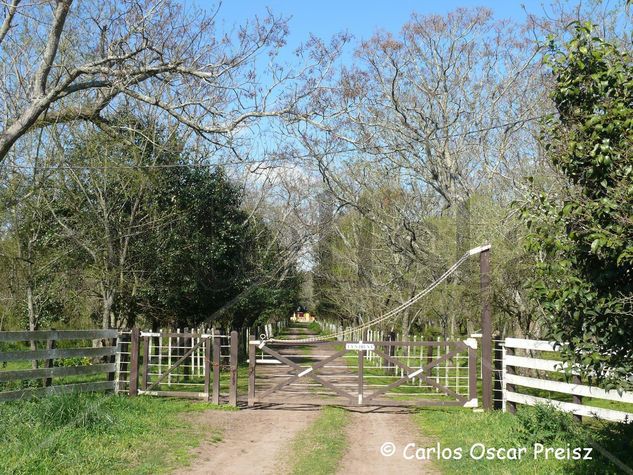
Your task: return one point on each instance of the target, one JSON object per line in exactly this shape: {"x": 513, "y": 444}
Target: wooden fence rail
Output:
{"x": 49, "y": 355}
{"x": 513, "y": 363}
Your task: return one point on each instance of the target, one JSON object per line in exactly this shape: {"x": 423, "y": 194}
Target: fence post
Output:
{"x": 486, "y": 330}
{"x": 169, "y": 350}
{"x": 134, "y": 344}
{"x": 146, "y": 352}
{"x": 509, "y": 388}
{"x": 438, "y": 368}
{"x": 251, "y": 371}
{"x": 112, "y": 376}
{"x": 576, "y": 399}
{"x": 391, "y": 351}
{"x": 361, "y": 356}
{"x": 160, "y": 352}
{"x": 472, "y": 373}
{"x": 117, "y": 364}
{"x": 497, "y": 397}
{"x": 186, "y": 342}
{"x": 216, "y": 369}
{"x": 233, "y": 363}
{"x": 207, "y": 368}
{"x": 50, "y": 345}
{"x": 178, "y": 348}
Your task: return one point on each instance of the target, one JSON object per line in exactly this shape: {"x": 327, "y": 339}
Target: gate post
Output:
{"x": 216, "y": 370}
{"x": 134, "y": 361}
{"x": 251, "y": 371}
{"x": 361, "y": 357}
{"x": 113, "y": 359}
{"x": 391, "y": 351}
{"x": 486, "y": 329}
{"x": 233, "y": 363}
{"x": 472, "y": 372}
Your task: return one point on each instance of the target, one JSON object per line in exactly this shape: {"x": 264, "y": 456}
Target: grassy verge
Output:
{"x": 531, "y": 425}
{"x": 90, "y": 433}
{"x": 319, "y": 448}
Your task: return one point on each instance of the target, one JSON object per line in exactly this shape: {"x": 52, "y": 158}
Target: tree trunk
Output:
{"x": 32, "y": 316}
{"x": 106, "y": 310}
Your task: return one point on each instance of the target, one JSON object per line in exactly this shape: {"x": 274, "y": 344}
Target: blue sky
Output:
{"x": 324, "y": 18}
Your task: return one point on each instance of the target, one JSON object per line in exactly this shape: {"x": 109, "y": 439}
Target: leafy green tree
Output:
{"x": 213, "y": 261}
{"x": 584, "y": 236}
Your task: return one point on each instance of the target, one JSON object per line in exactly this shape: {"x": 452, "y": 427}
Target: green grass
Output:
{"x": 319, "y": 448}
{"x": 315, "y": 328}
{"x": 91, "y": 433}
{"x": 540, "y": 424}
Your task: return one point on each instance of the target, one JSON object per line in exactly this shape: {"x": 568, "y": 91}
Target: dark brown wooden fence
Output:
{"x": 50, "y": 377}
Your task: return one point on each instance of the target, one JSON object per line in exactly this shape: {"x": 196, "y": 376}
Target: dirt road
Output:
{"x": 255, "y": 441}
{"x": 258, "y": 440}
{"x": 368, "y": 431}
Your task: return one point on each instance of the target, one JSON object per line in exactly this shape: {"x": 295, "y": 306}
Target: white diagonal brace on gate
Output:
{"x": 415, "y": 373}
{"x": 303, "y": 373}
{"x": 458, "y": 347}
{"x": 312, "y": 373}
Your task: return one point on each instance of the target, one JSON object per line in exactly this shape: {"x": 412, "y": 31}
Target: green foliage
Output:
{"x": 315, "y": 328}
{"x": 547, "y": 426}
{"x": 21, "y": 384}
{"x": 213, "y": 262}
{"x": 530, "y": 425}
{"x": 584, "y": 239}
{"x": 109, "y": 239}
{"x": 401, "y": 266}
{"x": 76, "y": 361}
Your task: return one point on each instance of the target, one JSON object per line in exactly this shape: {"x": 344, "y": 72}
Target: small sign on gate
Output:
{"x": 360, "y": 346}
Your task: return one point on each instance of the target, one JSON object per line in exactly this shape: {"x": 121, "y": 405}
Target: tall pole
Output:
{"x": 134, "y": 347}
{"x": 486, "y": 329}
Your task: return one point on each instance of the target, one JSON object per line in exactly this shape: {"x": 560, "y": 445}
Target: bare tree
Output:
{"x": 445, "y": 103}
{"x": 66, "y": 61}
{"x": 446, "y": 110}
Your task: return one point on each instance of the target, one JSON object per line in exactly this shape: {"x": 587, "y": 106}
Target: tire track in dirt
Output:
{"x": 254, "y": 441}
{"x": 368, "y": 431}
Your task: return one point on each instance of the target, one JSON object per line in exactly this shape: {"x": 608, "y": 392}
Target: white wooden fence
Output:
{"x": 513, "y": 364}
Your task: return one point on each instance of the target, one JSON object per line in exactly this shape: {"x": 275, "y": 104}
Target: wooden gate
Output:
{"x": 179, "y": 364}
{"x": 378, "y": 373}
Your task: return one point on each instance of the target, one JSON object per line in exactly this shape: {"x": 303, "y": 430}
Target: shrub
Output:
{"x": 546, "y": 425}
